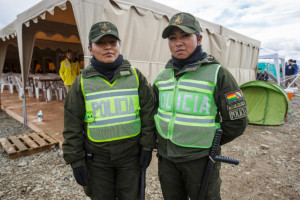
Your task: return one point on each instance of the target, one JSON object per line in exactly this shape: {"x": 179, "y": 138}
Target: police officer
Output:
{"x": 196, "y": 96}
{"x": 109, "y": 127}
{"x": 69, "y": 70}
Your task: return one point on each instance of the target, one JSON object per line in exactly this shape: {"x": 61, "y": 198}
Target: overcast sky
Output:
{"x": 275, "y": 23}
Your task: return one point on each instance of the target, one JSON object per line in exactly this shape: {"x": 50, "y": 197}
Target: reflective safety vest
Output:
{"x": 112, "y": 110}
{"x": 187, "y": 109}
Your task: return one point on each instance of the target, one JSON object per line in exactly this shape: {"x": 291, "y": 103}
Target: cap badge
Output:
{"x": 179, "y": 19}
{"x": 104, "y": 28}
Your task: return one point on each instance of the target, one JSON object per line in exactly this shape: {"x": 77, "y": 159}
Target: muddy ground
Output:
{"x": 269, "y": 166}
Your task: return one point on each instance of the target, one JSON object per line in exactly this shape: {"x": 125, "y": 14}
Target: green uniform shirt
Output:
{"x": 76, "y": 142}
{"x": 231, "y": 127}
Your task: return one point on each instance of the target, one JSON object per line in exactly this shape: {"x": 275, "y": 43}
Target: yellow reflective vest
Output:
{"x": 187, "y": 110}
{"x": 69, "y": 71}
{"x": 112, "y": 110}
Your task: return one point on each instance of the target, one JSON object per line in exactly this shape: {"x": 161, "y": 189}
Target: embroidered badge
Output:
{"x": 105, "y": 28}
{"x": 179, "y": 19}
{"x": 234, "y": 96}
{"x": 238, "y": 113}
{"x": 235, "y": 100}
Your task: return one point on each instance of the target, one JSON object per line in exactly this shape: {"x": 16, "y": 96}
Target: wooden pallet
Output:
{"x": 24, "y": 145}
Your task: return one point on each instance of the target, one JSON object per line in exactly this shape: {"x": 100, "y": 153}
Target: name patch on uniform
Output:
{"x": 235, "y": 100}
{"x": 238, "y": 113}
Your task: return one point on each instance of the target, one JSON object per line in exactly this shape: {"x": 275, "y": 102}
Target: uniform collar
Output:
{"x": 193, "y": 66}
{"x": 123, "y": 70}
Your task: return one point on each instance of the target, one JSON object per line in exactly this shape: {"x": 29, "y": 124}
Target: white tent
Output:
{"x": 61, "y": 23}
{"x": 276, "y": 57}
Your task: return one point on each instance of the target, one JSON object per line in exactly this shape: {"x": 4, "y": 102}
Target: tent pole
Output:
{"x": 0, "y": 103}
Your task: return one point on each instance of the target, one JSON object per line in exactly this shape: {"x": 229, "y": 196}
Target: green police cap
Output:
{"x": 101, "y": 29}
{"x": 185, "y": 21}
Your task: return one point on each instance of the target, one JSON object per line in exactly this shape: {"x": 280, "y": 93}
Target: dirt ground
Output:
{"x": 269, "y": 166}
{"x": 269, "y": 161}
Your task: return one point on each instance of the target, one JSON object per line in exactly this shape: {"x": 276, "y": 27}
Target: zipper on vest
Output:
{"x": 171, "y": 125}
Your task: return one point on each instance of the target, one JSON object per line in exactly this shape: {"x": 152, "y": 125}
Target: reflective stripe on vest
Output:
{"x": 112, "y": 110}
{"x": 187, "y": 110}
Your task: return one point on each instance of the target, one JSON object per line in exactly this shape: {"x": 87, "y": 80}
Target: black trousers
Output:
{"x": 108, "y": 179}
{"x": 181, "y": 181}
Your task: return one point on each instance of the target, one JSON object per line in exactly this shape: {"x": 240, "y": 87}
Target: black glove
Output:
{"x": 145, "y": 159}
{"x": 80, "y": 175}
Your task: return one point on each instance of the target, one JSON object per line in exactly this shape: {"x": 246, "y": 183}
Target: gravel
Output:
{"x": 269, "y": 166}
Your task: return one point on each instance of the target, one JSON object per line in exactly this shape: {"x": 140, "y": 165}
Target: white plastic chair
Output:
{"x": 61, "y": 90}
{"x": 21, "y": 92}
{"x": 37, "y": 87}
{"x": 13, "y": 81}
{"x": 5, "y": 82}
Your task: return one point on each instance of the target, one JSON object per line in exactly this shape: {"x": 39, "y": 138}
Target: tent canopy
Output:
{"x": 276, "y": 57}
{"x": 140, "y": 23}
{"x": 61, "y": 24}
{"x": 267, "y": 103}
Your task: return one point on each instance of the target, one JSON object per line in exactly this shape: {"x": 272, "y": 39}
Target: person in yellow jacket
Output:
{"x": 69, "y": 70}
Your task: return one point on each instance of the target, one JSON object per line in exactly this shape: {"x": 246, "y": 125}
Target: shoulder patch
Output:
{"x": 235, "y": 100}
{"x": 236, "y": 105}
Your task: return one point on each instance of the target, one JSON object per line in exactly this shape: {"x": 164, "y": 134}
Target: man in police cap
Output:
{"x": 196, "y": 96}
{"x": 108, "y": 122}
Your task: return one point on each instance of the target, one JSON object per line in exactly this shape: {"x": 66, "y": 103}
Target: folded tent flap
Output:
{"x": 274, "y": 111}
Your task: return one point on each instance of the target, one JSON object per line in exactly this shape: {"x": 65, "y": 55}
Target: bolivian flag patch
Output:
{"x": 234, "y": 96}
{"x": 236, "y": 105}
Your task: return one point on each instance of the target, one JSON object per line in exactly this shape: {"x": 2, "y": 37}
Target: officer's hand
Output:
{"x": 80, "y": 175}
{"x": 145, "y": 159}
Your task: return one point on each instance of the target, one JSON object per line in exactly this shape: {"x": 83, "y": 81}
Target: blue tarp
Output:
{"x": 267, "y": 66}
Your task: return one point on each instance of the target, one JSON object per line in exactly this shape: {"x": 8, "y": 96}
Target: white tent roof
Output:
{"x": 265, "y": 53}
{"x": 62, "y": 23}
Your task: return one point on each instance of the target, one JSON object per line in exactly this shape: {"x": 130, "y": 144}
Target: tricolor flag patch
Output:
{"x": 234, "y": 96}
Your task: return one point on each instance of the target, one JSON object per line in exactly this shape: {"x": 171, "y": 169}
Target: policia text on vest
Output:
{"x": 113, "y": 107}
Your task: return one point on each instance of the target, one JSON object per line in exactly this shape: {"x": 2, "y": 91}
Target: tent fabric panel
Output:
{"x": 265, "y": 53}
{"x": 53, "y": 45}
{"x": 61, "y": 14}
{"x": 47, "y": 30}
{"x": 266, "y": 85}
{"x": 256, "y": 99}
{"x": 3, "y": 49}
{"x": 86, "y": 14}
{"x": 149, "y": 70}
{"x": 39, "y": 9}
{"x": 212, "y": 43}
{"x": 240, "y": 58}
{"x": 228, "y": 33}
{"x": 139, "y": 46}
{"x": 276, "y": 109}
{"x": 10, "y": 31}
{"x": 57, "y": 38}
{"x": 277, "y": 104}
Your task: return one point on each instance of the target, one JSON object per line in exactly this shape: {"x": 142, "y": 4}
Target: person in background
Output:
{"x": 108, "y": 121}
{"x": 196, "y": 96}
{"x": 290, "y": 71}
{"x": 296, "y": 71}
{"x": 52, "y": 68}
{"x": 38, "y": 69}
{"x": 69, "y": 70}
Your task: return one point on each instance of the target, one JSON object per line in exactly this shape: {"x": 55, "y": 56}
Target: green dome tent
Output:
{"x": 267, "y": 103}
